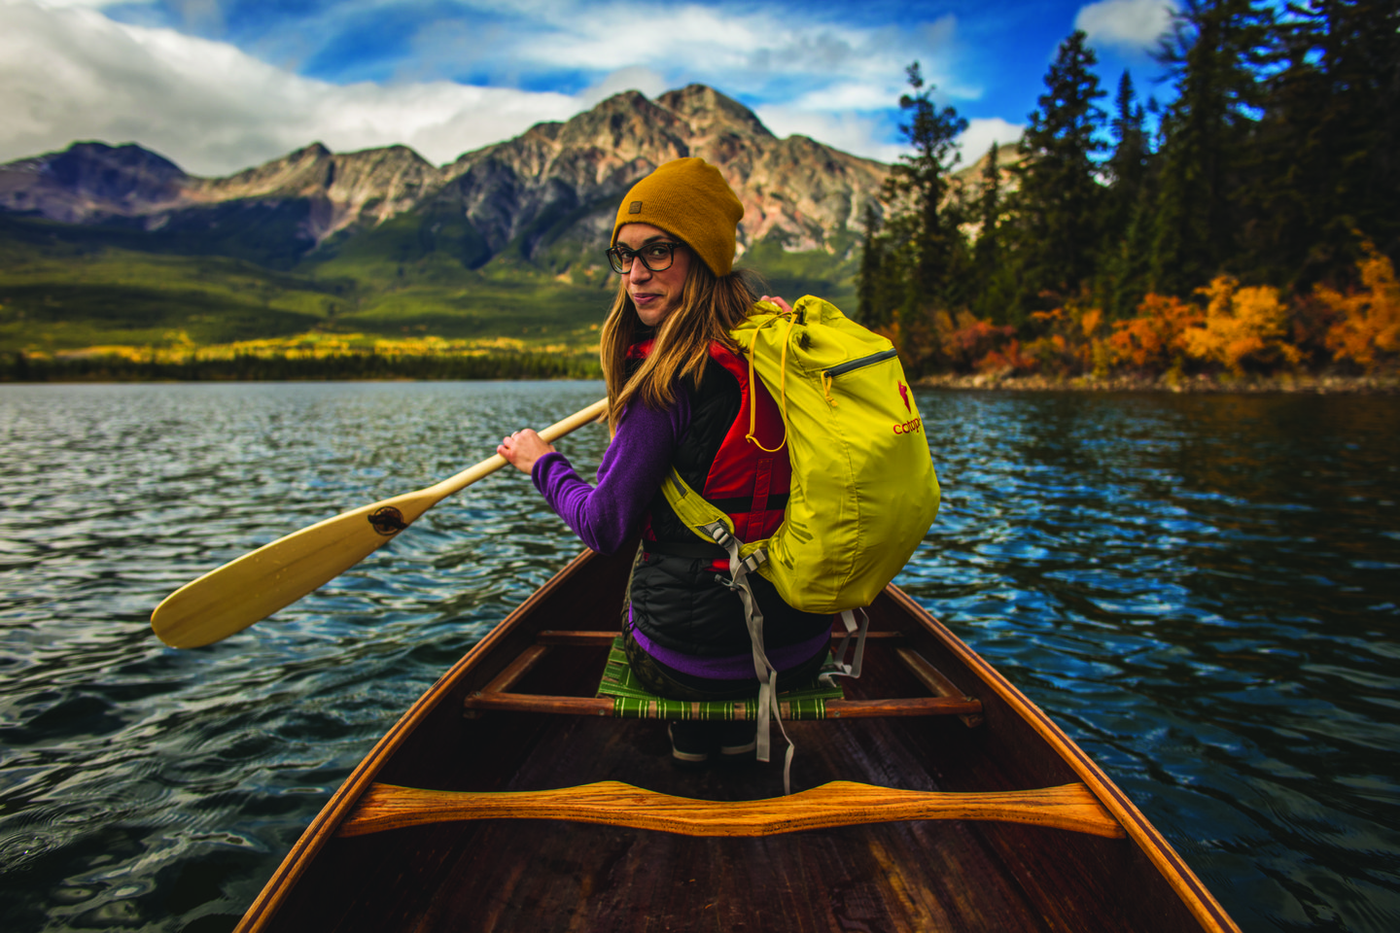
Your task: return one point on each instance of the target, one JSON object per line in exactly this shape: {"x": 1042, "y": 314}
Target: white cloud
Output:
{"x": 635, "y": 78}
{"x": 863, "y": 135}
{"x": 852, "y": 132}
{"x": 68, "y": 72}
{"x": 768, "y": 51}
{"x": 981, "y": 133}
{"x": 97, "y": 4}
{"x": 1129, "y": 24}
{"x": 71, "y": 73}
{"x": 849, "y": 95}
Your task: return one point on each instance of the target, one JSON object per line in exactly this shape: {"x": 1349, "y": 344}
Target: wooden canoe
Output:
{"x": 933, "y": 797}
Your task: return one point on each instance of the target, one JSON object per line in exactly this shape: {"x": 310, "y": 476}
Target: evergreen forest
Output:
{"x": 1249, "y": 227}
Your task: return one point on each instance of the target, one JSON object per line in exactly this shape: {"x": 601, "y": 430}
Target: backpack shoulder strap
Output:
{"x": 708, "y": 523}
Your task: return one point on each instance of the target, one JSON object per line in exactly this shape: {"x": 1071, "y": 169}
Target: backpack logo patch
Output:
{"x": 904, "y": 394}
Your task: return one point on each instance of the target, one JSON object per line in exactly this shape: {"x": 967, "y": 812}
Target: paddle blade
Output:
{"x": 227, "y": 600}
{"x": 248, "y": 590}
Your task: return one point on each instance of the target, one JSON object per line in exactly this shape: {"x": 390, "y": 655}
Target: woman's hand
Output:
{"x": 783, "y": 306}
{"x": 523, "y": 448}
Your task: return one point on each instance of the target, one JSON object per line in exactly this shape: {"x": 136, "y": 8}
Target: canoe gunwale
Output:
{"x": 1197, "y": 898}
{"x": 491, "y": 661}
{"x": 324, "y": 825}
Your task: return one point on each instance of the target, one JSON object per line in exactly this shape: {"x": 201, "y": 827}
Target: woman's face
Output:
{"x": 655, "y": 294}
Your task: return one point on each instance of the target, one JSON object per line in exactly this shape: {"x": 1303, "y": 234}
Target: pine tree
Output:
{"x": 987, "y": 252}
{"x": 1325, "y": 163}
{"x": 989, "y": 212}
{"x": 1359, "y": 46}
{"x": 921, "y": 181}
{"x": 1127, "y": 211}
{"x": 1214, "y": 53}
{"x": 1056, "y": 207}
{"x": 1127, "y": 166}
{"x": 1289, "y": 170}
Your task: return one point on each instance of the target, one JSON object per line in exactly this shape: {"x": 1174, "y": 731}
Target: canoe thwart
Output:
{"x": 551, "y": 636}
{"x": 601, "y": 639}
{"x": 477, "y": 703}
{"x": 510, "y": 675}
{"x": 522, "y": 665}
{"x": 935, "y": 680}
{"x": 839, "y": 803}
{"x": 497, "y": 695}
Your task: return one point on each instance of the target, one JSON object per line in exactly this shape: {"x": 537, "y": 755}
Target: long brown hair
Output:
{"x": 710, "y": 307}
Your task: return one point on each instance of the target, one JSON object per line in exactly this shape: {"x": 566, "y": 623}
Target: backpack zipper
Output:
{"x": 863, "y": 361}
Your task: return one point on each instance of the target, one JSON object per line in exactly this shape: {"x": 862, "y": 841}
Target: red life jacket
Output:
{"x": 747, "y": 482}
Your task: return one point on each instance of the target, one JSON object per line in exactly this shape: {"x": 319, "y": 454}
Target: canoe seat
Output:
{"x": 633, "y": 701}
{"x": 620, "y": 696}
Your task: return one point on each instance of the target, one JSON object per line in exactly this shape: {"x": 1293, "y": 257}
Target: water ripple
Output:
{"x": 1199, "y": 589}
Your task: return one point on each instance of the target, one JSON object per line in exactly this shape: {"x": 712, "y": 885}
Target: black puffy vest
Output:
{"x": 676, "y": 598}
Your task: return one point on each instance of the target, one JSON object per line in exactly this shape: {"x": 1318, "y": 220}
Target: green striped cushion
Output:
{"x": 632, "y": 701}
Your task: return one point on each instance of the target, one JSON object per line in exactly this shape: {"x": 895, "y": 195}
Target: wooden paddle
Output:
{"x": 839, "y": 803}
{"x": 236, "y": 595}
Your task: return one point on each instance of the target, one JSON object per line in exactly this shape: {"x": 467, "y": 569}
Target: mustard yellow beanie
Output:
{"x": 690, "y": 199}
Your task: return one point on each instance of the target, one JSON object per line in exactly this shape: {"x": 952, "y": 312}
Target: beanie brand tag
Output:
{"x": 635, "y": 207}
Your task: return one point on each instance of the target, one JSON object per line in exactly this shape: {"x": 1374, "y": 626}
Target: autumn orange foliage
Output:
{"x": 1007, "y": 358}
{"x": 1242, "y": 326}
{"x": 1239, "y": 328}
{"x": 1153, "y": 339}
{"x": 967, "y": 339}
{"x": 1367, "y": 330}
{"x": 1070, "y": 341}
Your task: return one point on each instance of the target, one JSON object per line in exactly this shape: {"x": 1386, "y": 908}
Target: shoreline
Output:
{"x": 1331, "y": 384}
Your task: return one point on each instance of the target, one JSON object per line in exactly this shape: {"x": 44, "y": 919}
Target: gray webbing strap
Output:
{"x": 852, "y": 670}
{"x": 767, "y": 674}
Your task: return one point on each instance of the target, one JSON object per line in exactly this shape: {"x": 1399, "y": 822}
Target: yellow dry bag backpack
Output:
{"x": 863, "y": 491}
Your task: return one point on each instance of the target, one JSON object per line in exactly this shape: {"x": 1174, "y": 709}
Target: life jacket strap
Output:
{"x": 692, "y": 549}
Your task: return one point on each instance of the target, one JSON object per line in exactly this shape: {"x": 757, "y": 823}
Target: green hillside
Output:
{"x": 63, "y": 288}
{"x": 68, "y": 290}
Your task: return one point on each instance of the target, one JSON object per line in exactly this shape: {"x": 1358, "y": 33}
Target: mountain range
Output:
{"x": 557, "y": 181}
{"x": 383, "y": 241}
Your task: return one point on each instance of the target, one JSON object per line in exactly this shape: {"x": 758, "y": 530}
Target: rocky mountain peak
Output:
{"x": 111, "y": 171}
{"x": 626, "y": 126}
{"x": 561, "y": 182}
{"x": 296, "y": 174}
{"x": 89, "y": 180}
{"x": 710, "y": 112}
{"x": 366, "y": 187}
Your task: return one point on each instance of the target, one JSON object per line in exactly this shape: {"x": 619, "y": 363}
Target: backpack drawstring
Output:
{"x": 751, "y": 437}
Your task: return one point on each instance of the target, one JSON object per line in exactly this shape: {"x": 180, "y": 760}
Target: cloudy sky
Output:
{"x": 219, "y": 85}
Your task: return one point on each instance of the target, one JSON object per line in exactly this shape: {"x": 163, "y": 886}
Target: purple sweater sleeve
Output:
{"x": 609, "y": 515}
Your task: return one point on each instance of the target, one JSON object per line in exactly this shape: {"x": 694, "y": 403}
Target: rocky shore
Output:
{"x": 1325, "y": 384}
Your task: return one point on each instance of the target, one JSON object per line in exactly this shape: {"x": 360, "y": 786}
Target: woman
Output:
{"x": 676, "y": 391}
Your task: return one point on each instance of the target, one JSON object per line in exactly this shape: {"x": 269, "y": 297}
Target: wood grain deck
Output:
{"x": 554, "y": 875}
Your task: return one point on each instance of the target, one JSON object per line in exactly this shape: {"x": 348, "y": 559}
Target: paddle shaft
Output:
{"x": 232, "y": 597}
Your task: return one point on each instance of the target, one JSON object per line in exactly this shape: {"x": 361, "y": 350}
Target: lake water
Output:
{"x": 1202, "y": 590}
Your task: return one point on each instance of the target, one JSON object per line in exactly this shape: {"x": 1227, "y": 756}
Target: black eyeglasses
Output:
{"x": 656, "y": 257}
